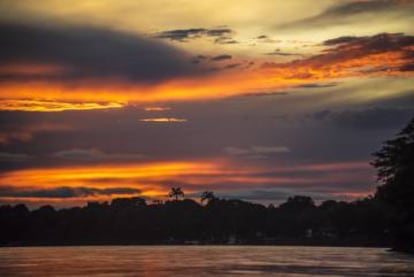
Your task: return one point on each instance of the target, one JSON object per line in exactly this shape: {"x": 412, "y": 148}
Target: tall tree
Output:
{"x": 176, "y": 192}
{"x": 395, "y": 166}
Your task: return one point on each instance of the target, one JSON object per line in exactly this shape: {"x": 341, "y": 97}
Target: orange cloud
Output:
{"x": 156, "y": 109}
{"x": 164, "y": 120}
{"x": 54, "y": 106}
{"x": 381, "y": 55}
{"x": 154, "y": 179}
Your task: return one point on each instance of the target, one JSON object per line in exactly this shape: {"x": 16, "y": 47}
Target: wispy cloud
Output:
{"x": 256, "y": 150}
{"x": 95, "y": 155}
{"x": 54, "y": 106}
{"x": 24, "y": 133}
{"x": 63, "y": 192}
{"x": 156, "y": 109}
{"x": 13, "y": 157}
{"x": 184, "y": 35}
{"x": 164, "y": 120}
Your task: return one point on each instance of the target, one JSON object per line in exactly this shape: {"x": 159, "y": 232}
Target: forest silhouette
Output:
{"x": 385, "y": 219}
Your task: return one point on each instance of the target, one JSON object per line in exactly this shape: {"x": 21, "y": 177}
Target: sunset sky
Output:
{"x": 252, "y": 99}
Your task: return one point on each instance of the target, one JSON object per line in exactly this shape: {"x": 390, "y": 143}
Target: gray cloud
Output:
{"x": 256, "y": 151}
{"x": 13, "y": 157}
{"x": 318, "y": 85}
{"x": 225, "y": 40}
{"x": 221, "y": 57}
{"x": 63, "y": 192}
{"x": 277, "y": 52}
{"x": 347, "y": 10}
{"x": 95, "y": 155}
{"x": 183, "y": 35}
{"x": 371, "y": 118}
{"x": 86, "y": 52}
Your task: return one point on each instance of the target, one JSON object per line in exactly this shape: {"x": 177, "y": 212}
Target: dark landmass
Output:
{"x": 386, "y": 219}
{"x": 132, "y": 221}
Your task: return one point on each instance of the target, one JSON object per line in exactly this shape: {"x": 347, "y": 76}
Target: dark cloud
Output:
{"x": 219, "y": 32}
{"x": 277, "y": 52}
{"x": 261, "y": 150}
{"x": 233, "y": 65}
{"x": 199, "y": 58}
{"x": 318, "y": 85}
{"x": 63, "y": 192}
{"x": 277, "y": 195}
{"x": 184, "y": 35}
{"x": 357, "y": 7}
{"x": 86, "y": 52}
{"x": 221, "y": 57}
{"x": 339, "y": 40}
{"x": 372, "y": 118}
{"x": 347, "y": 10}
{"x": 266, "y": 39}
{"x": 348, "y": 56}
{"x": 95, "y": 155}
{"x": 13, "y": 157}
{"x": 225, "y": 40}
{"x": 263, "y": 94}
{"x": 402, "y": 99}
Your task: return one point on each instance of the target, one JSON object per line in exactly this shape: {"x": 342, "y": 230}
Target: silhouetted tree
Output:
{"x": 176, "y": 192}
{"x": 395, "y": 166}
{"x": 207, "y": 196}
{"x": 131, "y": 221}
{"x": 128, "y": 202}
{"x": 298, "y": 203}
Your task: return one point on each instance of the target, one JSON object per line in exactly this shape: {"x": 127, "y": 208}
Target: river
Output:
{"x": 154, "y": 261}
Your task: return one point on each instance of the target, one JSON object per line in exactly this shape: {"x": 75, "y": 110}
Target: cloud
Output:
{"x": 183, "y": 35}
{"x": 88, "y": 52}
{"x": 13, "y": 131}
{"x": 63, "y": 192}
{"x": 277, "y": 195}
{"x": 256, "y": 151}
{"x": 164, "y": 120}
{"x": 225, "y": 40}
{"x": 13, "y": 157}
{"x": 221, "y": 57}
{"x": 349, "y": 11}
{"x": 156, "y": 109}
{"x": 95, "y": 155}
{"x": 232, "y": 65}
{"x": 277, "y": 52}
{"x": 318, "y": 85}
{"x": 266, "y": 39}
{"x": 383, "y": 54}
{"x": 54, "y": 106}
{"x": 367, "y": 119}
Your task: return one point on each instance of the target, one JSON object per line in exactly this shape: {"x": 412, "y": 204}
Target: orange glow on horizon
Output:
{"x": 152, "y": 179}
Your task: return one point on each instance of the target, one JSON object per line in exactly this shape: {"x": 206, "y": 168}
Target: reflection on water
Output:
{"x": 198, "y": 261}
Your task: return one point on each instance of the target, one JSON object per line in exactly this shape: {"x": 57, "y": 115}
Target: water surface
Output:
{"x": 153, "y": 261}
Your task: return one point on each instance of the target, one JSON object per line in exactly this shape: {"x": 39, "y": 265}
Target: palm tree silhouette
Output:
{"x": 176, "y": 192}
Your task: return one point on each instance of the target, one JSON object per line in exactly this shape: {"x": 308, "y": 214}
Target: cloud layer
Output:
{"x": 86, "y": 52}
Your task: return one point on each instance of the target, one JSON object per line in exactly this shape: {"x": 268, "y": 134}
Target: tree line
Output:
{"x": 387, "y": 218}
{"x": 214, "y": 221}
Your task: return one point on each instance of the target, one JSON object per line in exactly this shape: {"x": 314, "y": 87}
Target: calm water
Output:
{"x": 199, "y": 261}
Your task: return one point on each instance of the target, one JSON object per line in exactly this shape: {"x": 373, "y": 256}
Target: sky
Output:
{"x": 256, "y": 100}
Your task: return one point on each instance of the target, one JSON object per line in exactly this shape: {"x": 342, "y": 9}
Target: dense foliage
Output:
{"x": 133, "y": 221}
{"x": 395, "y": 164}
